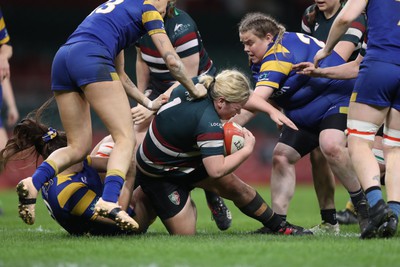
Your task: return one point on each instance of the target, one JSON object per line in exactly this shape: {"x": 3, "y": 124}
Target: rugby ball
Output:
{"x": 233, "y": 137}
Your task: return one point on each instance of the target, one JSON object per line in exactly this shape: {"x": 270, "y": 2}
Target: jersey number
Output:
{"x": 107, "y": 7}
{"x": 306, "y": 39}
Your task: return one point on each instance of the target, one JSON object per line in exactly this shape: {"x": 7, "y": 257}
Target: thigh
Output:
{"x": 144, "y": 213}
{"x": 302, "y": 141}
{"x": 75, "y": 117}
{"x": 183, "y": 223}
{"x": 111, "y": 104}
{"x": 367, "y": 113}
{"x": 167, "y": 199}
{"x": 393, "y": 119}
{"x": 336, "y": 121}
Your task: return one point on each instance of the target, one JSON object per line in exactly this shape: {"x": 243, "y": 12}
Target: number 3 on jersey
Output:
{"x": 107, "y": 7}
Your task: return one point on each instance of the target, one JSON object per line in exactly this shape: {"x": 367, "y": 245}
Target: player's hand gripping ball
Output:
{"x": 233, "y": 137}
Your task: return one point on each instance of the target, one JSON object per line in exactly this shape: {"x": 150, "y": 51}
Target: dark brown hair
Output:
{"x": 27, "y": 139}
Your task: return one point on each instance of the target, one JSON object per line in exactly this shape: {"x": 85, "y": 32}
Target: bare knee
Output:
{"x": 284, "y": 155}
{"x": 78, "y": 151}
{"x": 333, "y": 151}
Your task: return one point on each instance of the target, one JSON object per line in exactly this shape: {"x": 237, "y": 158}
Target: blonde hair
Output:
{"x": 260, "y": 25}
{"x": 232, "y": 85}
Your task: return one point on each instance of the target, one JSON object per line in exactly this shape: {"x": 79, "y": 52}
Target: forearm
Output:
{"x": 178, "y": 71}
{"x": 219, "y": 166}
{"x": 244, "y": 117}
{"x": 129, "y": 87}
{"x": 142, "y": 73}
{"x": 233, "y": 161}
{"x": 5, "y": 55}
{"x": 175, "y": 64}
{"x": 257, "y": 103}
{"x": 132, "y": 91}
{"x": 8, "y": 94}
{"x": 342, "y": 72}
{"x": 6, "y": 51}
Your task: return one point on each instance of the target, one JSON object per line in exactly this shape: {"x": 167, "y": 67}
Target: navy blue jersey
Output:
{"x": 185, "y": 38}
{"x": 89, "y": 54}
{"x": 70, "y": 199}
{"x": 306, "y": 100}
{"x": 183, "y": 132}
{"x": 383, "y": 31}
{"x": 117, "y": 24}
{"x": 276, "y": 71}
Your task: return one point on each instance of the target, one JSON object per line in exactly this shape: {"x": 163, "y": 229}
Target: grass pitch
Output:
{"x": 47, "y": 244}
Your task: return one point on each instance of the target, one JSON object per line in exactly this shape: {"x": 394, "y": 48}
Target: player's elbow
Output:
{"x": 173, "y": 63}
{"x": 345, "y": 20}
{"x": 216, "y": 173}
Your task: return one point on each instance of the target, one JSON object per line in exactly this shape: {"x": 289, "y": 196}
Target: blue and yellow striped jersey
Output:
{"x": 291, "y": 90}
{"x": 117, "y": 24}
{"x": 70, "y": 198}
{"x": 4, "y": 37}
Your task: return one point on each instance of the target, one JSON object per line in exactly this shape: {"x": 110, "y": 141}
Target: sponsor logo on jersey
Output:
{"x": 175, "y": 198}
{"x": 180, "y": 28}
{"x": 280, "y": 91}
{"x": 188, "y": 97}
{"x": 263, "y": 76}
{"x": 216, "y": 124}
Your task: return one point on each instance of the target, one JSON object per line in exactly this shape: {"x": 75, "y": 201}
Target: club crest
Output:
{"x": 175, "y": 198}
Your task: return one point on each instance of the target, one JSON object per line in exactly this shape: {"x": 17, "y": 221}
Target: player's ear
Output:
{"x": 220, "y": 102}
{"x": 269, "y": 37}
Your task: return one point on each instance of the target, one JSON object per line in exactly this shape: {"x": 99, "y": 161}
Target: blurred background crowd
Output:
{"x": 38, "y": 28}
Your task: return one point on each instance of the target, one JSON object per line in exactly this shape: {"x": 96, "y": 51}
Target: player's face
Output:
{"x": 327, "y": 5}
{"x": 227, "y": 110}
{"x": 254, "y": 46}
